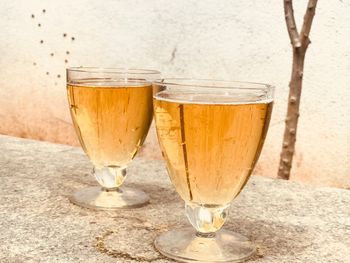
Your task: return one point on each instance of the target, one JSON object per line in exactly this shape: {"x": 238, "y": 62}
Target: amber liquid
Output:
{"x": 210, "y": 144}
{"x": 111, "y": 119}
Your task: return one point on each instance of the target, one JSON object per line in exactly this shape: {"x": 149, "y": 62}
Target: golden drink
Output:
{"x": 210, "y": 143}
{"x": 111, "y": 119}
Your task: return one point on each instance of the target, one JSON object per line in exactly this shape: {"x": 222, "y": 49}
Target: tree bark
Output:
{"x": 300, "y": 43}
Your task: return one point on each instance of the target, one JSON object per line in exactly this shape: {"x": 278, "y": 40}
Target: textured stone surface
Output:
{"x": 289, "y": 222}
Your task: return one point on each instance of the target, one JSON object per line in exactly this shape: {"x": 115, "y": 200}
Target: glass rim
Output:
{"x": 117, "y": 70}
{"x": 213, "y": 83}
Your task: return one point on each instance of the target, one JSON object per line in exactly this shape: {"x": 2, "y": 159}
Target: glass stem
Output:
{"x": 205, "y": 235}
{"x": 110, "y": 177}
{"x": 206, "y": 219}
{"x": 112, "y": 189}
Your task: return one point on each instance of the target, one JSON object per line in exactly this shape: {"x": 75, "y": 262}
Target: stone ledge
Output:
{"x": 289, "y": 222}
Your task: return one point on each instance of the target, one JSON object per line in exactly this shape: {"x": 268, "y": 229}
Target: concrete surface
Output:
{"x": 288, "y": 221}
{"x": 242, "y": 40}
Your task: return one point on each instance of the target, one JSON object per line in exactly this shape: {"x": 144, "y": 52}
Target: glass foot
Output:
{"x": 98, "y": 198}
{"x": 186, "y": 246}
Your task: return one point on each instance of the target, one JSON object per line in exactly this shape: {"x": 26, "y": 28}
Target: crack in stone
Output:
{"x": 100, "y": 246}
{"x": 138, "y": 223}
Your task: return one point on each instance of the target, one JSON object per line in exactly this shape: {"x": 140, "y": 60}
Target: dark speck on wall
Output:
{"x": 73, "y": 38}
{"x": 39, "y": 25}
{"x": 64, "y": 34}
{"x": 58, "y": 76}
{"x": 32, "y": 15}
{"x": 47, "y": 73}
{"x": 41, "y": 41}
{"x": 65, "y": 61}
{"x": 44, "y": 11}
{"x": 52, "y": 54}
{"x": 67, "y": 52}
{"x": 34, "y": 63}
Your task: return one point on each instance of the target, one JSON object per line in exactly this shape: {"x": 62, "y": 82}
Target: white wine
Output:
{"x": 210, "y": 142}
{"x": 111, "y": 119}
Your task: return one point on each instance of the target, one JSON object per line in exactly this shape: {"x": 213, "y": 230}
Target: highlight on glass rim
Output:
{"x": 150, "y": 131}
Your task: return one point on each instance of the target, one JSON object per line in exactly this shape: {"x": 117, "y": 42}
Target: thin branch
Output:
{"x": 291, "y": 26}
{"x": 309, "y": 15}
{"x": 300, "y": 44}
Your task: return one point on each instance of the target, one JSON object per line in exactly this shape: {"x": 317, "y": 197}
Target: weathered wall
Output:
{"x": 243, "y": 40}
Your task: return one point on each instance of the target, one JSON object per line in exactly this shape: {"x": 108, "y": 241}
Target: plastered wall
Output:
{"x": 241, "y": 40}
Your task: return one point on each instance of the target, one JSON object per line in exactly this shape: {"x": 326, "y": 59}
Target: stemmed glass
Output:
{"x": 211, "y": 134}
{"x": 111, "y": 111}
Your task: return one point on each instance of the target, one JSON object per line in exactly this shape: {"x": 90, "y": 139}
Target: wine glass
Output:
{"x": 211, "y": 134}
{"x": 111, "y": 111}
